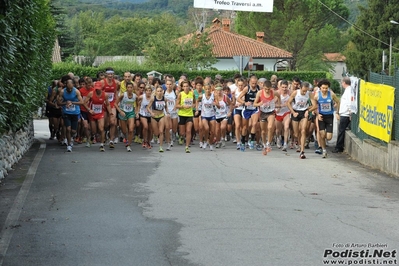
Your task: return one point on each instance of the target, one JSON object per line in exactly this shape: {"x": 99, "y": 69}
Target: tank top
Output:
{"x": 268, "y": 104}
{"x": 186, "y": 99}
{"x": 238, "y": 105}
{"x": 127, "y": 104}
{"x": 222, "y": 111}
{"x": 197, "y": 96}
{"x": 170, "y": 100}
{"x": 301, "y": 101}
{"x": 325, "y": 104}
{"x": 284, "y": 109}
{"x": 158, "y": 105}
{"x": 110, "y": 90}
{"x": 73, "y": 97}
{"x": 84, "y": 92}
{"x": 250, "y": 96}
{"x": 143, "y": 107}
{"x": 208, "y": 109}
{"x": 97, "y": 102}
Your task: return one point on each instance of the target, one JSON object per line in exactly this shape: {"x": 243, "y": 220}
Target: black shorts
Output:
{"x": 230, "y": 120}
{"x": 84, "y": 115}
{"x": 265, "y": 116}
{"x": 146, "y": 117}
{"x": 327, "y": 123}
{"x": 198, "y": 115}
{"x": 185, "y": 119}
{"x": 219, "y": 120}
{"x": 301, "y": 115}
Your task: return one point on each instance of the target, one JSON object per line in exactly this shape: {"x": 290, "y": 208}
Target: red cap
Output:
{"x": 98, "y": 86}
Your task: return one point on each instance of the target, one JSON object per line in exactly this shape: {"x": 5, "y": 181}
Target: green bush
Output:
{"x": 26, "y": 41}
{"x": 120, "y": 67}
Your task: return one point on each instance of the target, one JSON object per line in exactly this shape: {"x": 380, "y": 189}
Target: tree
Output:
{"x": 291, "y": 25}
{"x": 371, "y": 36}
{"x": 194, "y": 52}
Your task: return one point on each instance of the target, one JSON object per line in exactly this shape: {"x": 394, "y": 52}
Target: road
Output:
{"x": 204, "y": 208}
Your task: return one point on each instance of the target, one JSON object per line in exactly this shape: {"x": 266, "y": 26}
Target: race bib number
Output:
{"x": 128, "y": 107}
{"x": 188, "y": 101}
{"x": 325, "y": 107}
{"x": 302, "y": 104}
{"x": 110, "y": 97}
{"x": 267, "y": 107}
{"x": 208, "y": 106}
{"x": 159, "y": 105}
{"x": 171, "y": 104}
{"x": 97, "y": 108}
{"x": 251, "y": 107}
{"x": 70, "y": 108}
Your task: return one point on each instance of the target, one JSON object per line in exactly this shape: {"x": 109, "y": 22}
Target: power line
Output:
{"x": 356, "y": 27}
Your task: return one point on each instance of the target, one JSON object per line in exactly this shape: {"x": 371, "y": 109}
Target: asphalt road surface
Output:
{"x": 224, "y": 207}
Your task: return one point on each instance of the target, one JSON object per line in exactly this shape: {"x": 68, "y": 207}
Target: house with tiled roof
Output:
{"x": 227, "y": 44}
{"x": 338, "y": 64}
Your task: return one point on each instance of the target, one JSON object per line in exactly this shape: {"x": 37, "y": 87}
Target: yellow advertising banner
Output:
{"x": 376, "y": 109}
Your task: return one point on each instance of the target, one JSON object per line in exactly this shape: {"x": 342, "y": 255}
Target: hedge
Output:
{"x": 61, "y": 69}
{"x": 26, "y": 41}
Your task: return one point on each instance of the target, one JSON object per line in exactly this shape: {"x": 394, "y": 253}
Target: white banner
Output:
{"x": 236, "y": 5}
{"x": 355, "y": 82}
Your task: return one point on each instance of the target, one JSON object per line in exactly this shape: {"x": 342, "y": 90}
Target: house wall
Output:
{"x": 230, "y": 64}
{"x": 338, "y": 68}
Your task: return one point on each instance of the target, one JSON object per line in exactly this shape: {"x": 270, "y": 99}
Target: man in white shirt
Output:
{"x": 343, "y": 114}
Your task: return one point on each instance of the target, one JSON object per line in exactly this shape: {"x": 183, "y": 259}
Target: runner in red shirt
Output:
{"x": 111, "y": 87}
{"x": 98, "y": 100}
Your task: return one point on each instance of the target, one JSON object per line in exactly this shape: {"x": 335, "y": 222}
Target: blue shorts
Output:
{"x": 71, "y": 121}
{"x": 212, "y": 118}
{"x": 248, "y": 113}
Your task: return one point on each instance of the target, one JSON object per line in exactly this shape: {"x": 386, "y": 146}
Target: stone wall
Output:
{"x": 13, "y": 146}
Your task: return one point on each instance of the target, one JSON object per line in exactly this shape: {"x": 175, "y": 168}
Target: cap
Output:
{"x": 262, "y": 80}
{"x": 98, "y": 85}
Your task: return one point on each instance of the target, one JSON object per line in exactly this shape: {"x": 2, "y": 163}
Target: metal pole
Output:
{"x": 390, "y": 55}
{"x": 383, "y": 63}
{"x": 241, "y": 65}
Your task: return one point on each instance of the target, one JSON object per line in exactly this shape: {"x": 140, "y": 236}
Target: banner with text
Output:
{"x": 236, "y": 5}
{"x": 376, "y": 109}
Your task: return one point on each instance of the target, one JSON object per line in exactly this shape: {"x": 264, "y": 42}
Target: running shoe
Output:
{"x": 149, "y": 146}
{"x": 318, "y": 151}
{"x": 311, "y": 138}
{"x": 307, "y": 144}
{"x": 128, "y": 148}
{"x": 116, "y": 140}
{"x": 218, "y": 145}
{"x": 264, "y": 151}
{"x": 102, "y": 148}
{"x": 201, "y": 144}
{"x": 160, "y": 149}
{"x": 65, "y": 142}
{"x": 211, "y": 147}
{"x": 111, "y": 144}
{"x": 204, "y": 145}
{"x": 251, "y": 145}
{"x": 180, "y": 140}
{"x": 242, "y": 147}
{"x": 268, "y": 148}
{"x": 93, "y": 140}
{"x": 84, "y": 140}
{"x": 284, "y": 147}
{"x": 223, "y": 143}
{"x": 278, "y": 143}
{"x": 228, "y": 137}
{"x": 246, "y": 145}
{"x": 238, "y": 146}
{"x": 69, "y": 148}
{"x": 234, "y": 140}
{"x": 169, "y": 147}
{"x": 187, "y": 150}
{"x": 171, "y": 143}
{"x": 144, "y": 145}
{"x": 259, "y": 147}
{"x": 324, "y": 154}
{"x": 302, "y": 155}
{"x": 88, "y": 144}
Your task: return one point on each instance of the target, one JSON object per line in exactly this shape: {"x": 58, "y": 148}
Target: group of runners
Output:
{"x": 254, "y": 113}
